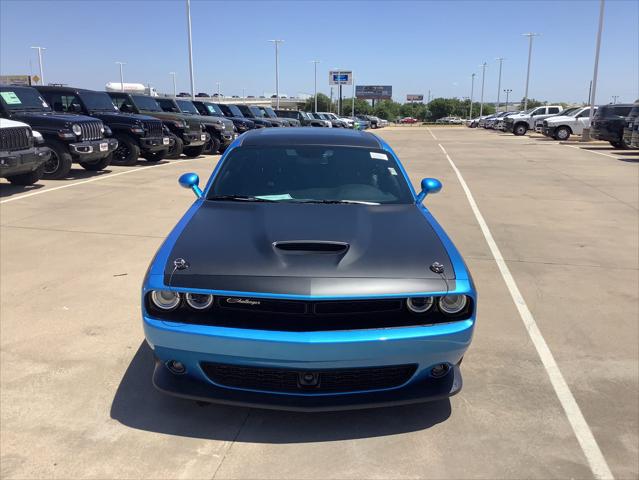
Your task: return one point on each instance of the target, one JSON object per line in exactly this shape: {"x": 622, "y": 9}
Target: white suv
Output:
{"x": 561, "y": 127}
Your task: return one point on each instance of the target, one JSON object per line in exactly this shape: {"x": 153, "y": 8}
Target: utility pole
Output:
{"x": 121, "y": 76}
{"x": 188, "y": 21}
{"x": 174, "y": 85}
{"x": 472, "y": 88}
{"x": 500, "y": 60}
{"x": 585, "y": 136}
{"x": 330, "y": 105}
{"x": 39, "y": 49}
{"x": 530, "y": 36}
{"x": 315, "y": 62}
{"x": 429, "y": 95}
{"x": 277, "y": 72}
{"x": 507, "y": 90}
{"x": 353, "y": 99}
{"x": 483, "y": 76}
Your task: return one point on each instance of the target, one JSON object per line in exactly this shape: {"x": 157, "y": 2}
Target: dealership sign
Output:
{"x": 18, "y": 79}
{"x": 340, "y": 77}
{"x": 414, "y": 98}
{"x": 374, "y": 92}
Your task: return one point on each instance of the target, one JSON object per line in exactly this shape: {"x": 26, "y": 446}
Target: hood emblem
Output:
{"x": 180, "y": 264}
{"x": 243, "y": 301}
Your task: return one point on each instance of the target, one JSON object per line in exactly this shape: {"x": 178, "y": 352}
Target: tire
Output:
{"x": 127, "y": 152}
{"x": 520, "y": 129}
{"x": 154, "y": 156}
{"x": 212, "y": 147}
{"x": 59, "y": 165}
{"x": 223, "y": 149}
{"x": 27, "y": 178}
{"x": 193, "y": 152}
{"x": 99, "y": 165}
{"x": 176, "y": 150}
{"x": 620, "y": 145}
{"x": 562, "y": 133}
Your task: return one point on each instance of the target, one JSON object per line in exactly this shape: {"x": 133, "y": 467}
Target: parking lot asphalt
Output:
{"x": 76, "y": 396}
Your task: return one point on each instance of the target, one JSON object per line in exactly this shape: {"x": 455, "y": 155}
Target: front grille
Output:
{"x": 317, "y": 381}
{"x": 15, "y": 138}
{"x": 153, "y": 128}
{"x": 91, "y": 131}
{"x": 193, "y": 126}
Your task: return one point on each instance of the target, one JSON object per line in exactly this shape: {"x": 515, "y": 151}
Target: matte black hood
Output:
{"x": 273, "y": 247}
{"x": 49, "y": 119}
{"x": 122, "y": 118}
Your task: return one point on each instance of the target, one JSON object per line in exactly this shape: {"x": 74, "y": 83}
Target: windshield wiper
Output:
{"x": 239, "y": 198}
{"x": 357, "y": 202}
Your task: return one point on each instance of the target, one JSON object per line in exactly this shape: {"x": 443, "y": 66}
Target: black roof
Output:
{"x": 52, "y": 88}
{"x": 310, "y": 136}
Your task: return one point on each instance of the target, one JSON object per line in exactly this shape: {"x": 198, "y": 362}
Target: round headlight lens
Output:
{"x": 452, "y": 304}
{"x": 165, "y": 299}
{"x": 75, "y": 128}
{"x": 419, "y": 304}
{"x": 102, "y": 130}
{"x": 199, "y": 301}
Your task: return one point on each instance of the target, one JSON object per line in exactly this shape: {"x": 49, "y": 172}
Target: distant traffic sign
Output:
{"x": 374, "y": 92}
{"x": 340, "y": 77}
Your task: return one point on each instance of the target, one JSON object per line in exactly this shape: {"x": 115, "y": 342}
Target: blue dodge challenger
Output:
{"x": 308, "y": 276}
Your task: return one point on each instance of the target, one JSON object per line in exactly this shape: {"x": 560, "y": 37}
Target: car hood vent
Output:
{"x": 311, "y": 247}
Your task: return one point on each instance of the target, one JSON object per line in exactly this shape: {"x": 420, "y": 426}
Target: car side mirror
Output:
{"x": 191, "y": 180}
{"x": 429, "y": 185}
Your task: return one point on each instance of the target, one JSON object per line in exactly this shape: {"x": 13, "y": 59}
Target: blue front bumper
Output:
{"x": 423, "y": 346}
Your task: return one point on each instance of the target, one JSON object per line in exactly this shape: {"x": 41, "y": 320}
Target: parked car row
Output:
{"x": 45, "y": 129}
{"x": 613, "y": 123}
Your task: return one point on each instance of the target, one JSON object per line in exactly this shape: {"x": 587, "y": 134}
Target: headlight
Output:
{"x": 107, "y": 131}
{"x": 76, "y": 129}
{"x": 179, "y": 123}
{"x": 165, "y": 299}
{"x": 452, "y": 304}
{"x": 102, "y": 129}
{"x": 38, "y": 139}
{"x": 419, "y": 304}
{"x": 138, "y": 130}
{"x": 199, "y": 301}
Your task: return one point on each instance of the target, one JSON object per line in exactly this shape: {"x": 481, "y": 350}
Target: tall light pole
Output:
{"x": 121, "y": 75}
{"x": 174, "y": 85}
{"x": 507, "y": 91}
{"x": 39, "y": 49}
{"x": 277, "y": 71}
{"x": 188, "y": 24}
{"x": 614, "y": 99}
{"x": 472, "y": 88}
{"x": 483, "y": 76}
{"x": 353, "y": 99}
{"x": 530, "y": 36}
{"x": 315, "y": 62}
{"x": 500, "y": 60}
{"x": 585, "y": 136}
{"x": 218, "y": 88}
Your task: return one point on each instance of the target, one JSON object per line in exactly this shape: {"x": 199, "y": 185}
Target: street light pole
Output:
{"x": 218, "y": 89}
{"x": 507, "y": 90}
{"x": 530, "y": 36}
{"x": 500, "y": 60}
{"x": 174, "y": 85}
{"x": 353, "y": 99}
{"x": 315, "y": 62}
{"x": 483, "y": 75}
{"x": 188, "y": 21}
{"x": 39, "y": 49}
{"x": 121, "y": 76}
{"x": 277, "y": 73}
{"x": 614, "y": 99}
{"x": 472, "y": 89}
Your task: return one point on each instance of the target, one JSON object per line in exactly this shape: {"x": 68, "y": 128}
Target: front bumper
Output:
{"x": 549, "y": 131}
{"x": 93, "y": 149}
{"x": 22, "y": 161}
{"x": 423, "y": 346}
{"x": 193, "y": 139}
{"x": 155, "y": 144}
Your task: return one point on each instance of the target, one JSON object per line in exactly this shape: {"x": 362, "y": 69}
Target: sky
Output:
{"x": 414, "y": 46}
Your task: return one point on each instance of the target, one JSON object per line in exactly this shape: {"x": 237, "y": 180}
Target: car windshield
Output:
{"x": 257, "y": 112}
{"x": 146, "y": 103}
{"x": 97, "y": 101}
{"x": 270, "y": 112}
{"x": 214, "y": 109}
{"x": 311, "y": 174}
{"x": 236, "y": 112}
{"x": 570, "y": 112}
{"x": 187, "y": 107}
{"x": 23, "y": 99}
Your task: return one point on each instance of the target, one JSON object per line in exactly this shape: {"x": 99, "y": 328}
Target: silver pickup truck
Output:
{"x": 522, "y": 122}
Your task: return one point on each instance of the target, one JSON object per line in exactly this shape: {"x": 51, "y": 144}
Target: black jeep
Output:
{"x": 71, "y": 138}
{"x": 232, "y": 112}
{"x": 188, "y": 133}
{"x": 136, "y": 134}
{"x": 22, "y": 153}
{"x": 212, "y": 110}
{"x": 609, "y": 122}
{"x": 304, "y": 118}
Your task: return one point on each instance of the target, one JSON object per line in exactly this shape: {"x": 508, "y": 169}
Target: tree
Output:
{"x": 362, "y": 107}
{"x": 323, "y": 103}
{"x": 387, "y": 109}
{"x": 532, "y": 103}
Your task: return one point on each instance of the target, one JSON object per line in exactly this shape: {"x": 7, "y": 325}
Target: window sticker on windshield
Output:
{"x": 10, "y": 98}
{"x": 379, "y": 156}
{"x": 291, "y": 153}
{"x": 392, "y": 171}
{"x": 284, "y": 196}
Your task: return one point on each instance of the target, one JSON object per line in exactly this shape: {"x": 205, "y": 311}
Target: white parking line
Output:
{"x": 94, "y": 179}
{"x": 591, "y": 151}
{"x": 431, "y": 133}
{"x": 586, "y": 439}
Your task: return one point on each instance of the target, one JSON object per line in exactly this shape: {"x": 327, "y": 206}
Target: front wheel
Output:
{"x": 620, "y": 145}
{"x": 520, "y": 129}
{"x": 59, "y": 164}
{"x": 193, "y": 152}
{"x": 176, "y": 150}
{"x": 127, "y": 152}
{"x": 562, "y": 133}
{"x": 27, "y": 178}
{"x": 99, "y": 165}
{"x": 212, "y": 147}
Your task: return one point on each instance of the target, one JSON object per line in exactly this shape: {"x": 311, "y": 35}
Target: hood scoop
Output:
{"x": 310, "y": 247}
